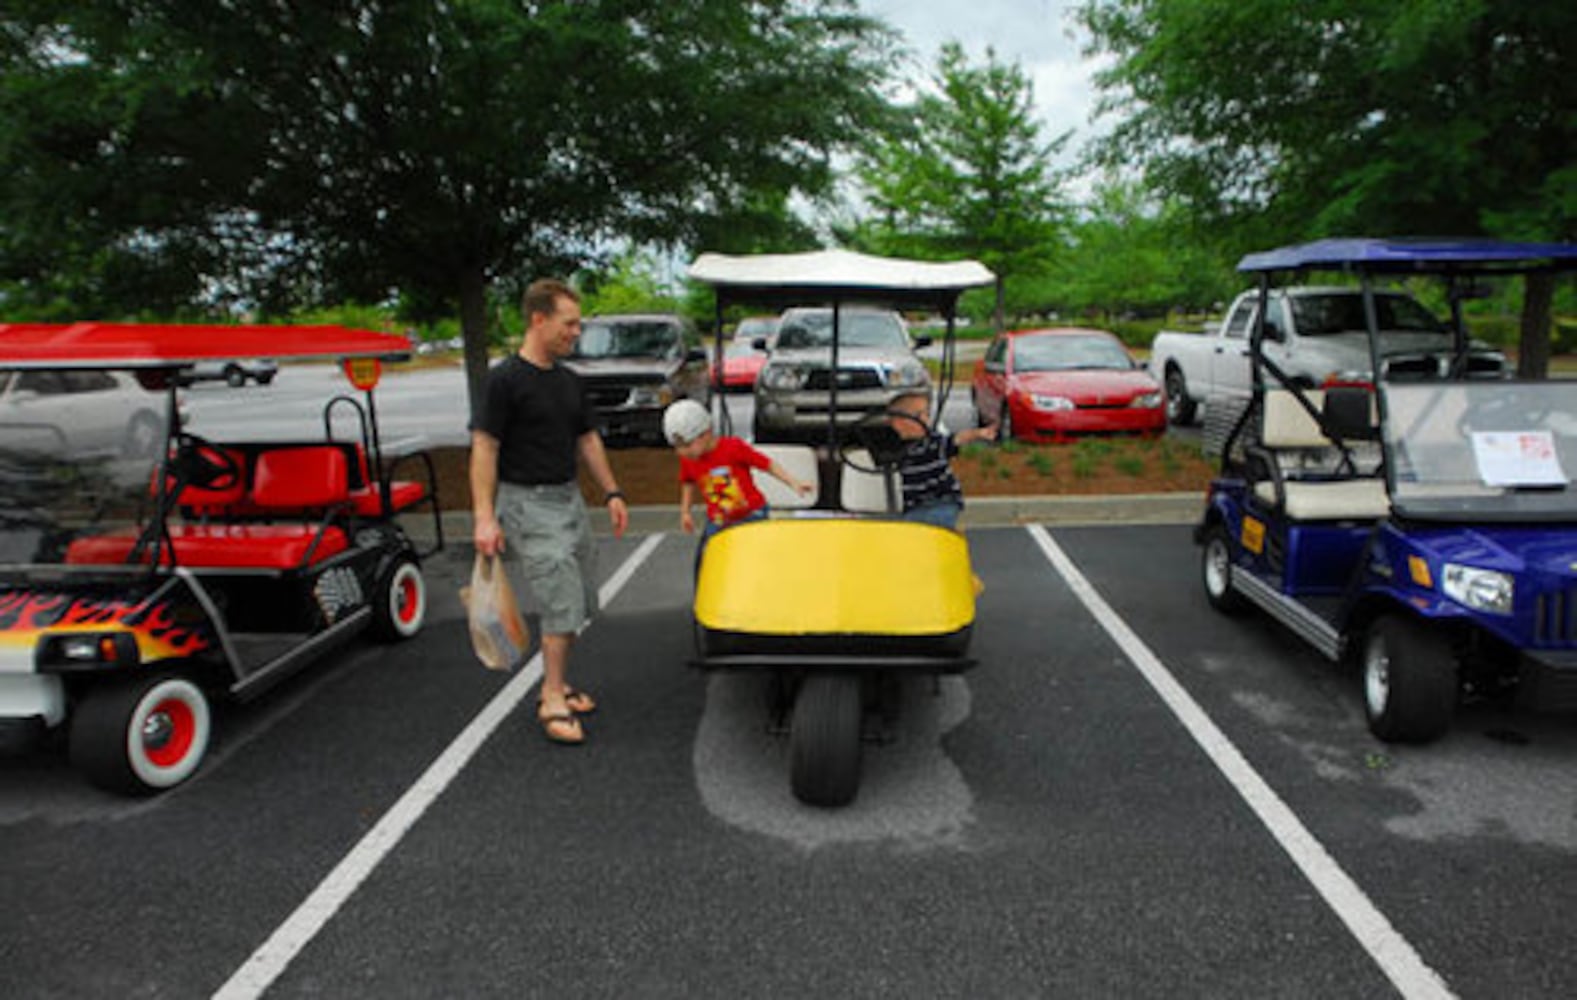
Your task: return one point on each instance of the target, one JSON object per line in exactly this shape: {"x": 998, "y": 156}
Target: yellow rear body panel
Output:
{"x": 836, "y": 576}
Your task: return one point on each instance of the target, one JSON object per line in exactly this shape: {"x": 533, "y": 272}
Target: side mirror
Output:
{"x": 695, "y": 354}
{"x": 922, "y": 341}
{"x": 1274, "y": 331}
{"x": 759, "y": 343}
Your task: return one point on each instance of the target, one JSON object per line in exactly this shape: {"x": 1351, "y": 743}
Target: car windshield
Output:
{"x": 855, "y": 329}
{"x": 755, "y": 326}
{"x": 1500, "y": 451}
{"x": 740, "y": 349}
{"x": 627, "y": 339}
{"x": 1064, "y": 353}
{"x": 1342, "y": 312}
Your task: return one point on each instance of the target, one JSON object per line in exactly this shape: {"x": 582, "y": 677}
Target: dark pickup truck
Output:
{"x": 634, "y": 366}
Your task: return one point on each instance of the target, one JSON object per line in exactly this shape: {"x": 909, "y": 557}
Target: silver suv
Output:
{"x": 876, "y": 362}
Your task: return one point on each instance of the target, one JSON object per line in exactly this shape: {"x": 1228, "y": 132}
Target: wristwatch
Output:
{"x": 613, "y": 495}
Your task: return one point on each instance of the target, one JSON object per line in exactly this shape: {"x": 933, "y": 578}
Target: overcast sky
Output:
{"x": 1036, "y": 34}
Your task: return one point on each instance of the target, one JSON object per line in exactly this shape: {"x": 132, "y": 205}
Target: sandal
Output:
{"x": 578, "y": 702}
{"x": 562, "y": 728}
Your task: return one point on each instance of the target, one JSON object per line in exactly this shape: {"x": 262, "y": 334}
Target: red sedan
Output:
{"x": 1061, "y": 382}
{"x": 741, "y": 364}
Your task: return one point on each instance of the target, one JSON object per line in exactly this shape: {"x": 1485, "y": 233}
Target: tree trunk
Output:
{"x": 1001, "y": 305}
{"x": 1533, "y": 356}
{"x": 473, "y": 329}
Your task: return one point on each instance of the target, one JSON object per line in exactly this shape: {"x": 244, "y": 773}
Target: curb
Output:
{"x": 982, "y": 512}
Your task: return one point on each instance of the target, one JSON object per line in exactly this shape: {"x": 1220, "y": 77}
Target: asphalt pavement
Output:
{"x": 1129, "y": 796}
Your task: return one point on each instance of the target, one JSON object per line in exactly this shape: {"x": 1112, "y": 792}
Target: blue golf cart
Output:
{"x": 1423, "y": 522}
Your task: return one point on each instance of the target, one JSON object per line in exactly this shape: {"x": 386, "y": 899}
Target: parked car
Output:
{"x": 876, "y": 362}
{"x": 742, "y": 362}
{"x": 1059, "y": 382}
{"x": 1315, "y": 334}
{"x": 235, "y": 371}
{"x": 81, "y": 413}
{"x": 758, "y": 330}
{"x": 634, "y": 366}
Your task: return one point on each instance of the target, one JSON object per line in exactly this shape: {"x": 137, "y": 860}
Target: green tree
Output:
{"x": 1350, "y": 117}
{"x": 347, "y": 149}
{"x": 963, "y": 171}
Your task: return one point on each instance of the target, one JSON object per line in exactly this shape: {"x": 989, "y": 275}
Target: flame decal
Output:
{"x": 163, "y": 629}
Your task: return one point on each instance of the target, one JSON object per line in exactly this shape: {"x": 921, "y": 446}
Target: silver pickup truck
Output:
{"x": 1316, "y": 336}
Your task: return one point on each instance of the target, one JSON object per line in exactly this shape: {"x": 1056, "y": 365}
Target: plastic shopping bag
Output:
{"x": 498, "y": 631}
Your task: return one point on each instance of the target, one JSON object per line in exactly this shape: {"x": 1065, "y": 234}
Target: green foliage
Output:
{"x": 963, "y": 172}
{"x": 1042, "y": 463}
{"x": 162, "y": 153}
{"x": 631, "y": 285}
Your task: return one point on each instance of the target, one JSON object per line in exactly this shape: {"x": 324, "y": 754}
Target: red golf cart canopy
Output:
{"x": 162, "y": 345}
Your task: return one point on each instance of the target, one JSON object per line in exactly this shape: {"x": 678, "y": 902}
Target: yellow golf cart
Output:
{"x": 834, "y": 597}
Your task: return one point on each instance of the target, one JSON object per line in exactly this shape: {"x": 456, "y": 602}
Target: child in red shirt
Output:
{"x": 719, "y": 469}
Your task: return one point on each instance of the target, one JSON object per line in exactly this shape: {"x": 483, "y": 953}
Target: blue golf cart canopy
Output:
{"x": 1434, "y": 255}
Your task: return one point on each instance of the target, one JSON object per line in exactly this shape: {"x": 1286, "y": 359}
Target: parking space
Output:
{"x": 1050, "y": 823}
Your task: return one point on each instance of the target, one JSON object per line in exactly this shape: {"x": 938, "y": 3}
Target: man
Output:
{"x": 535, "y": 421}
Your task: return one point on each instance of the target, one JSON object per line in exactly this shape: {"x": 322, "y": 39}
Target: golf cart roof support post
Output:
{"x": 725, "y": 419}
{"x": 1371, "y": 319}
{"x": 832, "y": 378}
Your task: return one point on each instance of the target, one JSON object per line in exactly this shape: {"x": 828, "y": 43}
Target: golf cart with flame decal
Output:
{"x": 1422, "y": 522}
{"x": 834, "y": 598}
{"x": 138, "y": 585}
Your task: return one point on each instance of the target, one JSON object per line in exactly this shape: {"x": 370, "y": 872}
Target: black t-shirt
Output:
{"x": 537, "y": 415}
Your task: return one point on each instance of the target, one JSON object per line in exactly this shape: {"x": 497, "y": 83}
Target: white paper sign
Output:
{"x": 1517, "y": 458}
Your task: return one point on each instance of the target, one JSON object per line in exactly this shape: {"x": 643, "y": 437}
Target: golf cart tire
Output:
{"x": 235, "y": 377}
{"x": 265, "y": 378}
{"x": 1409, "y": 677}
{"x": 401, "y": 601}
{"x": 1215, "y": 572}
{"x": 825, "y": 740}
{"x": 109, "y": 726}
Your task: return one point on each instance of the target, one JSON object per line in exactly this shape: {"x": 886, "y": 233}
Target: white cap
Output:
{"x": 684, "y": 421}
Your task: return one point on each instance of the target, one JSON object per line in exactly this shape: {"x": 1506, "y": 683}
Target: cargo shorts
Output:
{"x": 550, "y": 534}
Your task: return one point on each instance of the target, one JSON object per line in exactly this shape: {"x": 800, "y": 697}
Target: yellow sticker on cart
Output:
{"x": 1253, "y": 535}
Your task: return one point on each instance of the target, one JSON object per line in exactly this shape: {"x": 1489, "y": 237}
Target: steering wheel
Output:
{"x": 874, "y": 432}
{"x": 201, "y": 463}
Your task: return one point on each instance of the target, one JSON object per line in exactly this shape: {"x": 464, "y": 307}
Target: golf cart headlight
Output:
{"x": 908, "y": 375}
{"x": 1148, "y": 401}
{"x": 780, "y": 377}
{"x": 1480, "y": 589}
{"x": 87, "y": 651}
{"x": 1051, "y": 403}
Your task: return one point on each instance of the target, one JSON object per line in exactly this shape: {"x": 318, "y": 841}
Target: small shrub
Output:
{"x": 1041, "y": 462}
{"x": 1084, "y": 465}
{"x": 1130, "y": 465}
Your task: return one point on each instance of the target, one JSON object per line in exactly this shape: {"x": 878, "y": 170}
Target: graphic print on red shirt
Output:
{"x": 724, "y": 479}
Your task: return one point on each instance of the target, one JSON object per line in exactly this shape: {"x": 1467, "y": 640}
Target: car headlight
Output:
{"x": 1051, "y": 403}
{"x": 1480, "y": 589}
{"x": 1149, "y": 401}
{"x": 780, "y": 377}
{"x": 908, "y": 375}
{"x": 651, "y": 395}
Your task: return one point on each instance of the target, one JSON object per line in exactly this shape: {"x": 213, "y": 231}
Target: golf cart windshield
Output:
{"x": 77, "y": 451}
{"x": 1492, "y": 451}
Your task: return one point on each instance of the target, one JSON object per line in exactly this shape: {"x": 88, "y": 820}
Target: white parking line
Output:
{"x": 1395, "y": 956}
{"x": 271, "y": 958}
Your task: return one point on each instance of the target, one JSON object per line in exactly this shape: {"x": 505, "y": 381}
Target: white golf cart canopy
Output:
{"x": 839, "y": 276}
